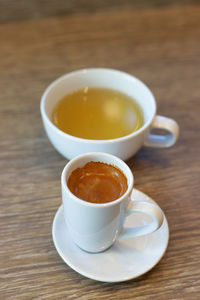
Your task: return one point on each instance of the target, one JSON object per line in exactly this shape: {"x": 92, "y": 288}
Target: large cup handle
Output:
{"x": 163, "y": 141}
{"x": 149, "y": 209}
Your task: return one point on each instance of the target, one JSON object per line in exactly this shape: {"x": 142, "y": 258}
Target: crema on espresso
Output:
{"x": 97, "y": 182}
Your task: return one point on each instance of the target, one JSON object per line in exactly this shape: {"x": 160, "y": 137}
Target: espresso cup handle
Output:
{"x": 149, "y": 209}
{"x": 163, "y": 141}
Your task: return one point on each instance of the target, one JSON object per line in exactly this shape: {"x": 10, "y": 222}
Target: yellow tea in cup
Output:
{"x": 97, "y": 113}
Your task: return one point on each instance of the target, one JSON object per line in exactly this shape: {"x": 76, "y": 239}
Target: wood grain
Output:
{"x": 161, "y": 47}
{"x": 37, "y": 9}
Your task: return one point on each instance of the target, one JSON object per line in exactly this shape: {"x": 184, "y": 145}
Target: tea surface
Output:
{"x": 97, "y": 182}
{"x": 97, "y": 113}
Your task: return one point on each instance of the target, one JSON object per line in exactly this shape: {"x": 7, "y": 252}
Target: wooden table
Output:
{"x": 160, "y": 44}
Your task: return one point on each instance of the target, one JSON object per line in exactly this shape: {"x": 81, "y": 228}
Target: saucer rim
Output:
{"x": 101, "y": 278}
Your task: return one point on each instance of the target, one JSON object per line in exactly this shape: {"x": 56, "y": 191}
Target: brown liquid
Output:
{"x": 97, "y": 182}
{"x": 97, "y": 113}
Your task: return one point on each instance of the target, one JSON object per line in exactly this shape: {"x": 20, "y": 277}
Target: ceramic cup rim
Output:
{"x": 90, "y": 156}
{"x": 94, "y": 141}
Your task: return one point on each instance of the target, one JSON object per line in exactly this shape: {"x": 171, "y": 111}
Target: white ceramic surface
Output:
{"x": 125, "y": 260}
{"x": 124, "y": 147}
{"x": 94, "y": 227}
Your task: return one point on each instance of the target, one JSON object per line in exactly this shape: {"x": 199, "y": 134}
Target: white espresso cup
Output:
{"x": 124, "y": 147}
{"x": 94, "y": 227}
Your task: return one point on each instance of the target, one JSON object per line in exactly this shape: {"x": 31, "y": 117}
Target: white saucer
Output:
{"x": 125, "y": 260}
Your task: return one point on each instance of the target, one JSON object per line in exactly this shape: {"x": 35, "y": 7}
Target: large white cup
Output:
{"x": 124, "y": 147}
{"x": 95, "y": 227}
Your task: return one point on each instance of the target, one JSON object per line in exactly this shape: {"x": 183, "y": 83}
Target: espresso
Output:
{"x": 97, "y": 182}
{"x": 97, "y": 113}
